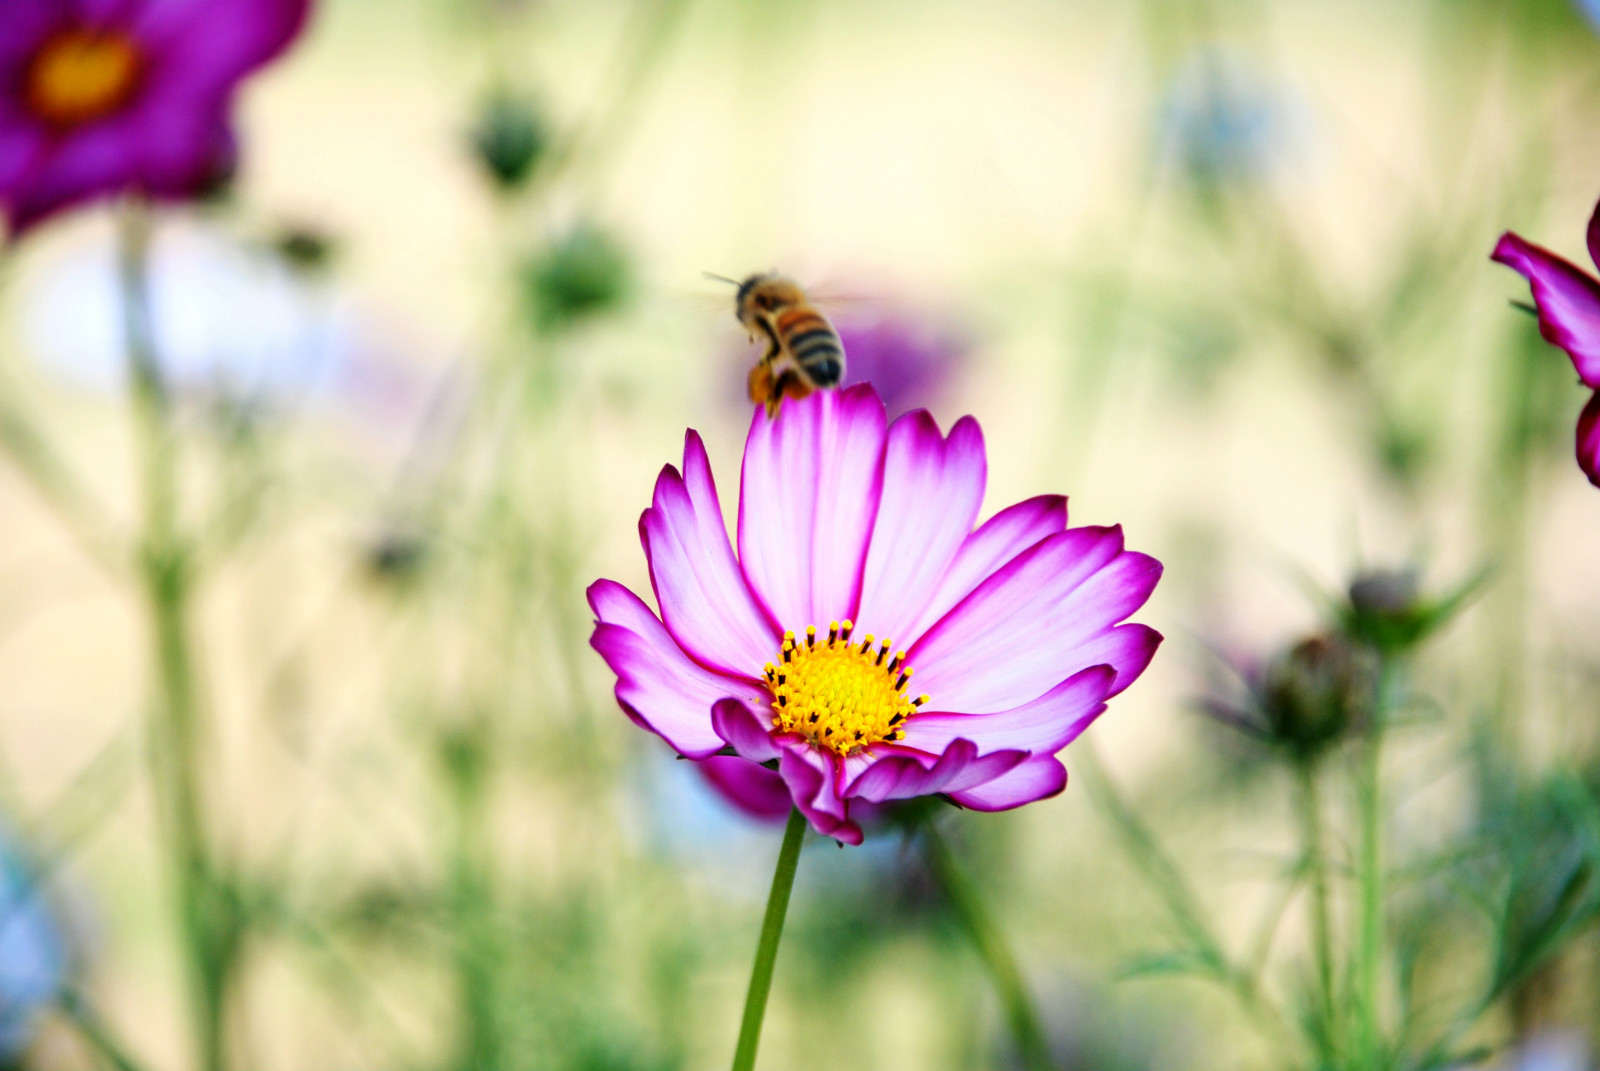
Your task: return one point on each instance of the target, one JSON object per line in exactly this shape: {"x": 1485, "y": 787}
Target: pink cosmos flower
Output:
{"x": 99, "y": 97}
{"x": 1568, "y": 302}
{"x": 787, "y": 666}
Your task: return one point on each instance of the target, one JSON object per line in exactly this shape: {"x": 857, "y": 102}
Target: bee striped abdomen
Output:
{"x": 814, "y": 345}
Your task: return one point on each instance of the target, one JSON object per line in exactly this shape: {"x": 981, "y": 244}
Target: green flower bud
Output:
{"x": 509, "y": 140}
{"x": 582, "y": 275}
{"x": 1318, "y": 692}
{"x": 305, "y": 249}
{"x": 1388, "y": 612}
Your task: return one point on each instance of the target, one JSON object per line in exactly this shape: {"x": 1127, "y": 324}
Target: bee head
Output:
{"x": 763, "y": 294}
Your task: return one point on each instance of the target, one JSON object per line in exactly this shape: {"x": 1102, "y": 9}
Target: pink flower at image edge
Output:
{"x": 1567, "y": 299}
{"x": 102, "y": 99}
{"x": 1013, "y": 631}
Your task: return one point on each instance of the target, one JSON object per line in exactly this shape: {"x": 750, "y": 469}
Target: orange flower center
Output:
{"x": 80, "y": 75}
{"x": 840, "y": 694}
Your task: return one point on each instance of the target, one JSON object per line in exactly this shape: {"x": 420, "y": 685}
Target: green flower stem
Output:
{"x": 1170, "y": 883}
{"x": 164, "y": 569}
{"x": 1316, "y": 864}
{"x": 1368, "y": 1048}
{"x": 755, "y": 1001}
{"x": 1369, "y": 869}
{"x": 1021, "y": 1016}
{"x": 95, "y": 1032}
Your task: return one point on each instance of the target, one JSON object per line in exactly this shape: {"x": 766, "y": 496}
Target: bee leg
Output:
{"x": 796, "y": 386}
{"x": 761, "y": 388}
{"x": 780, "y": 385}
{"x": 789, "y": 384}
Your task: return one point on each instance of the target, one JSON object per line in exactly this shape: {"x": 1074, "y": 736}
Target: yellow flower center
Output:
{"x": 839, "y": 693}
{"x": 80, "y": 75}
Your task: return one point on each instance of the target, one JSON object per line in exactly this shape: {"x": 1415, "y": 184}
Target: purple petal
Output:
{"x": 902, "y": 774}
{"x": 744, "y": 729}
{"x": 1592, "y": 235}
{"x": 1033, "y": 623}
{"x": 812, "y": 777}
{"x": 22, "y": 145}
{"x": 1000, "y": 539}
{"x": 1043, "y": 726}
{"x": 658, "y": 686}
{"x": 1589, "y": 440}
{"x": 201, "y": 48}
{"x": 98, "y": 160}
{"x": 1039, "y": 778}
{"x": 1568, "y": 300}
{"x": 704, "y": 599}
{"x": 27, "y": 23}
{"x": 809, "y": 491}
{"x": 755, "y": 790}
{"x": 932, "y": 488}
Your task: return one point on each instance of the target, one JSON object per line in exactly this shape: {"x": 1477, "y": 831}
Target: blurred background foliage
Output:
{"x": 1216, "y": 269}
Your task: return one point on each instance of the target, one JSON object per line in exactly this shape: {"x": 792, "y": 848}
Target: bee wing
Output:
{"x": 854, "y": 295}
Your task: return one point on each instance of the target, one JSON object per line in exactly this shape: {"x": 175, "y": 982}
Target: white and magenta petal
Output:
{"x": 903, "y": 773}
{"x": 1041, "y": 777}
{"x": 1000, "y": 539}
{"x": 1567, "y": 299}
{"x": 658, "y": 685}
{"x": 809, "y": 491}
{"x": 813, "y": 779}
{"x": 744, "y": 730}
{"x": 1043, "y": 726}
{"x": 699, "y": 586}
{"x": 1127, "y": 649}
{"x": 1029, "y": 625}
{"x": 1588, "y": 445}
{"x": 932, "y": 488}
{"x": 755, "y": 790}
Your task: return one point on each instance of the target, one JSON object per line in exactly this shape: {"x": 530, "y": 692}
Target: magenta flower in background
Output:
{"x": 100, "y": 97}
{"x": 908, "y": 358}
{"x": 1568, "y": 302}
{"x": 860, "y": 568}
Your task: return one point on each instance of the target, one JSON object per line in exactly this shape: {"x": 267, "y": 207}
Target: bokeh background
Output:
{"x": 1218, "y": 271}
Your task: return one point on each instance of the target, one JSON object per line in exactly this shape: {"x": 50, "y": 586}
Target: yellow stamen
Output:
{"x": 840, "y": 695}
{"x": 79, "y": 76}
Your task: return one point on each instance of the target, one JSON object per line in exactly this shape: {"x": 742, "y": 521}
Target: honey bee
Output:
{"x": 803, "y": 353}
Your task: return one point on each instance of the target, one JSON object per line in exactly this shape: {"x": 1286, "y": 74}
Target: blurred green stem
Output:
{"x": 472, "y": 884}
{"x": 1368, "y": 1049}
{"x": 95, "y": 1032}
{"x": 54, "y": 481}
{"x": 1370, "y": 871}
{"x": 962, "y": 892}
{"x": 1321, "y": 930}
{"x": 755, "y": 1001}
{"x": 1163, "y": 874}
{"x": 164, "y": 569}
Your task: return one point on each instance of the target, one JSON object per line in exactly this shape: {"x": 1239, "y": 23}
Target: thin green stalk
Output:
{"x": 755, "y": 1001}
{"x": 1178, "y": 895}
{"x": 1368, "y": 1047}
{"x": 1316, "y": 864}
{"x": 477, "y": 946}
{"x": 95, "y": 1032}
{"x": 37, "y": 459}
{"x": 1369, "y": 950}
{"x": 1021, "y": 1015}
{"x": 164, "y": 569}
